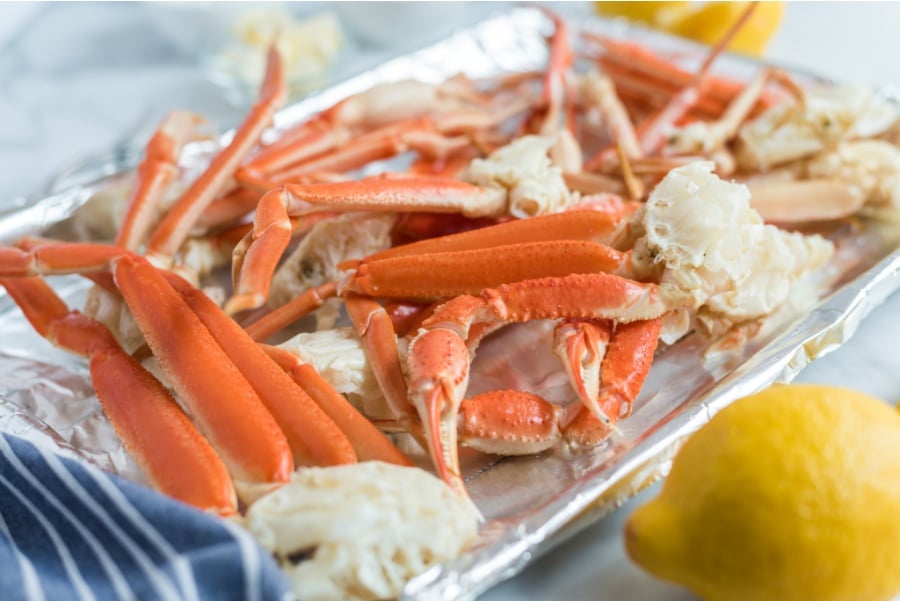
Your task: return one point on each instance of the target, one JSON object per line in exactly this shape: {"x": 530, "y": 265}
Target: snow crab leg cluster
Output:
{"x": 500, "y": 219}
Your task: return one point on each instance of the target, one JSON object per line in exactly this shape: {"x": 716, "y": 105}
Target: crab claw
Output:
{"x": 581, "y": 346}
{"x": 439, "y": 375}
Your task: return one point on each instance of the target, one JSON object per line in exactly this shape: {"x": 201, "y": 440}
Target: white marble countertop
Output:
{"x": 81, "y": 78}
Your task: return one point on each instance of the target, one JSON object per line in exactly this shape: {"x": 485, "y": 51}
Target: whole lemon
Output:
{"x": 789, "y": 494}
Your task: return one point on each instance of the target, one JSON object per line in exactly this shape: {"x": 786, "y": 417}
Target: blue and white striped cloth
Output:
{"x": 72, "y": 531}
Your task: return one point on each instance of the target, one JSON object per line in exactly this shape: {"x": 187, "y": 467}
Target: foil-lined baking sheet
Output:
{"x": 529, "y": 503}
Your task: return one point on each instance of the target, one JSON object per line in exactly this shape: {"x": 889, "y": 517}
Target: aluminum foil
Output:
{"x": 529, "y": 503}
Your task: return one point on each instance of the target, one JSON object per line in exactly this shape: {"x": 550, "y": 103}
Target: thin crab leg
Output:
{"x": 554, "y": 90}
{"x": 154, "y": 174}
{"x": 257, "y": 255}
{"x": 175, "y": 457}
{"x": 715, "y": 134}
{"x": 419, "y": 135}
{"x": 177, "y": 224}
{"x": 654, "y": 135}
{"x": 276, "y": 320}
{"x": 633, "y": 65}
{"x": 230, "y": 207}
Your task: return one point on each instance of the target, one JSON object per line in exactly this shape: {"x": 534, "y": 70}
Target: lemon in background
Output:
{"x": 643, "y": 12}
{"x": 790, "y": 494}
{"x": 705, "y": 22}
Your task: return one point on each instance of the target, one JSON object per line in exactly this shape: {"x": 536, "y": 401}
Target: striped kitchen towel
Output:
{"x": 71, "y": 531}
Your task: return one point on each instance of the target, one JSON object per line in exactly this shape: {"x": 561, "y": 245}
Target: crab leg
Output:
{"x": 581, "y": 346}
{"x": 584, "y": 224}
{"x": 413, "y": 134}
{"x": 446, "y": 274}
{"x": 177, "y": 223}
{"x": 654, "y": 135}
{"x": 219, "y": 397}
{"x": 376, "y": 330}
{"x": 663, "y": 76}
{"x": 439, "y": 354}
{"x": 716, "y": 133}
{"x": 221, "y": 401}
{"x": 600, "y": 92}
{"x": 159, "y": 166}
{"x": 256, "y": 256}
{"x": 519, "y": 423}
{"x": 314, "y": 438}
{"x": 276, "y": 320}
{"x": 624, "y": 369}
{"x": 380, "y": 106}
{"x": 799, "y": 201}
{"x": 509, "y": 422}
{"x": 554, "y": 91}
{"x": 314, "y": 138}
{"x": 228, "y": 208}
{"x": 369, "y": 443}
{"x": 626, "y": 365}
{"x": 177, "y": 460}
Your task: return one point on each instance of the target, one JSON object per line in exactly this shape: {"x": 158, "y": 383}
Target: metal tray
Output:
{"x": 530, "y": 503}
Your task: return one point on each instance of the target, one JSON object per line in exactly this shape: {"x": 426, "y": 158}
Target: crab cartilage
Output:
{"x": 177, "y": 460}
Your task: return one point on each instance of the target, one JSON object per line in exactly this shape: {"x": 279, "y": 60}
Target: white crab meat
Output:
{"x": 534, "y": 184}
{"x": 314, "y": 261}
{"x": 339, "y": 356}
{"x": 360, "y": 532}
{"x": 827, "y": 115}
{"x": 873, "y": 166}
{"x": 110, "y": 309}
{"x": 709, "y": 243}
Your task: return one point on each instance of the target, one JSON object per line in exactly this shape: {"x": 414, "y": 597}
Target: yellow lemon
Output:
{"x": 643, "y": 12}
{"x": 705, "y": 22}
{"x": 709, "y": 22}
{"x": 791, "y": 494}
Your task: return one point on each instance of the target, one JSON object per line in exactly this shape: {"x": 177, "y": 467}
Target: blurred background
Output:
{"x": 82, "y": 78}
